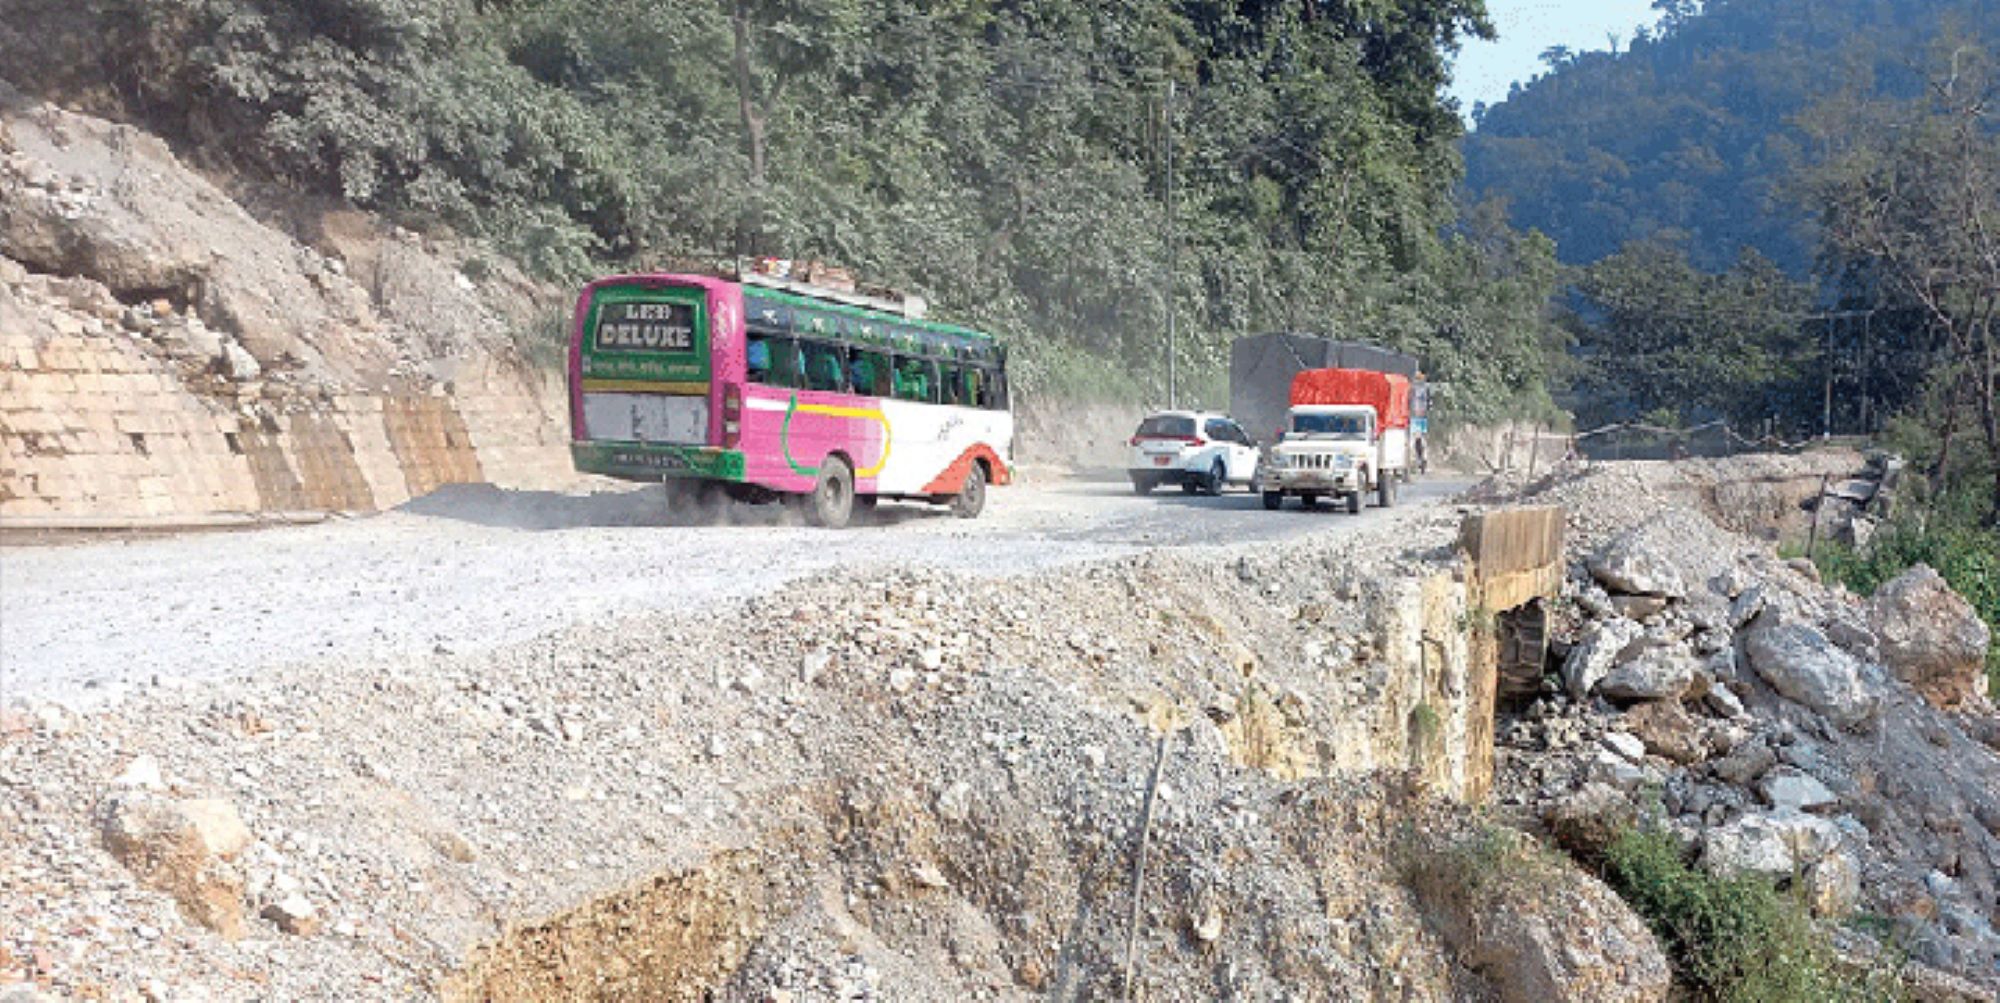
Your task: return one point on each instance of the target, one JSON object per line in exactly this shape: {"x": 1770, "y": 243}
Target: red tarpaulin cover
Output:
{"x": 1388, "y": 393}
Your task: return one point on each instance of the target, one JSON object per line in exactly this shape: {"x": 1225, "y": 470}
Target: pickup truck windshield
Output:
{"x": 1339, "y": 426}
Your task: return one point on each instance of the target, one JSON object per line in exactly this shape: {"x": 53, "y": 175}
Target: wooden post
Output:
{"x": 1812, "y": 535}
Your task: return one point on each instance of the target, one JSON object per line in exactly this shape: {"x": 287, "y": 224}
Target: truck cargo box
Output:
{"x": 1387, "y": 393}
{"x": 1261, "y": 368}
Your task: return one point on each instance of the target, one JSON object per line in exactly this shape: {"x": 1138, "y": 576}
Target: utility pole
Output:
{"x": 1173, "y": 250}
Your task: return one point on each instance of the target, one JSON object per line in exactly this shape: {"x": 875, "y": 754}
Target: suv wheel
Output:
{"x": 1215, "y": 479}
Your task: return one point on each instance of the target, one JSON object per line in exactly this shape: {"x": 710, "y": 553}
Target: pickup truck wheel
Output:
{"x": 1354, "y": 503}
{"x": 1274, "y": 500}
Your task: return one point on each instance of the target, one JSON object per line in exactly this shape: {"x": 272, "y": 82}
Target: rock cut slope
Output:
{"x": 164, "y": 353}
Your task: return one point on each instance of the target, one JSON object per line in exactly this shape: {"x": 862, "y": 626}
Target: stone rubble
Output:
{"x": 1790, "y": 730}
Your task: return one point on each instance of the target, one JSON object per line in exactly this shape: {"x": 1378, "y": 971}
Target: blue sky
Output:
{"x": 1527, "y": 27}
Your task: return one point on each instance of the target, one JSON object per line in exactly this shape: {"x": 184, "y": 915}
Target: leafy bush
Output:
{"x": 1729, "y": 939}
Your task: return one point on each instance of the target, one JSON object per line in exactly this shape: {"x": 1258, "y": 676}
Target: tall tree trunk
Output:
{"x": 750, "y": 228}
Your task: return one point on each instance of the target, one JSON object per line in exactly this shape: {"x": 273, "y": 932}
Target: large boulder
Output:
{"x": 1588, "y": 819}
{"x": 1930, "y": 637}
{"x": 1634, "y": 564}
{"x": 1777, "y": 845}
{"x": 181, "y": 848}
{"x": 1801, "y": 664}
{"x": 1668, "y": 730}
{"x": 1511, "y": 911}
{"x": 1595, "y": 653}
{"x": 1657, "y": 674}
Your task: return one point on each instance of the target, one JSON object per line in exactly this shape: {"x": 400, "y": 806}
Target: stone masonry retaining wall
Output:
{"x": 95, "y": 426}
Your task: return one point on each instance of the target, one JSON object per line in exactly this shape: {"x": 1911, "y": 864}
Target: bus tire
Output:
{"x": 1274, "y": 500}
{"x": 831, "y": 503}
{"x": 971, "y": 497}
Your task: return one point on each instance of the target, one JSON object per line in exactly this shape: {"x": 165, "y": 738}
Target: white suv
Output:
{"x": 1197, "y": 450}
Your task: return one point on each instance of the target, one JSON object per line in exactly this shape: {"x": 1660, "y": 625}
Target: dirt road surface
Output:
{"x": 475, "y": 566}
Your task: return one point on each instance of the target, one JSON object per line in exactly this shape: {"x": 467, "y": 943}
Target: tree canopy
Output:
{"x": 1007, "y": 158}
{"x": 1689, "y": 135}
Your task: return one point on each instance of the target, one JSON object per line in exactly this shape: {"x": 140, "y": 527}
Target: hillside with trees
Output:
{"x": 1013, "y": 161}
{"x": 1688, "y": 136}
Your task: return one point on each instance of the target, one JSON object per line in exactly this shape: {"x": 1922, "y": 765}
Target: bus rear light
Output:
{"x": 732, "y": 416}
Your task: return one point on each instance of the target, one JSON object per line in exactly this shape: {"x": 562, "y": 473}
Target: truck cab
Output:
{"x": 1334, "y": 450}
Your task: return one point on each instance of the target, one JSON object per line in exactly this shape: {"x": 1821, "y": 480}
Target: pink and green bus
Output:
{"x": 776, "y": 391}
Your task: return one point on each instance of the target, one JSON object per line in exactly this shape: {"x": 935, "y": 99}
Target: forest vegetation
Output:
{"x": 1009, "y": 161}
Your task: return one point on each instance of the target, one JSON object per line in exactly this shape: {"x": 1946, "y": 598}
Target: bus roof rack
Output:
{"x": 820, "y": 281}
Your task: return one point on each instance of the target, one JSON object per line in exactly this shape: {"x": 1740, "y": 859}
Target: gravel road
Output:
{"x": 474, "y": 566}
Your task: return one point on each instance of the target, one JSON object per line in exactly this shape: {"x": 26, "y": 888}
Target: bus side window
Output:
{"x": 783, "y": 366}
{"x": 871, "y": 373}
{"x": 913, "y": 380}
{"x": 757, "y": 359}
{"x": 825, "y": 369}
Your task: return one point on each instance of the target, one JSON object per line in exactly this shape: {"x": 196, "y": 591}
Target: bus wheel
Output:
{"x": 832, "y": 500}
{"x": 971, "y": 498}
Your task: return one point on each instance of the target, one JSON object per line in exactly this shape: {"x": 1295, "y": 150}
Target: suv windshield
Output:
{"x": 1340, "y": 426}
{"x": 1166, "y": 425}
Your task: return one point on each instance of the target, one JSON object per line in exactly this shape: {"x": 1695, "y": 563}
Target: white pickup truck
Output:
{"x": 1336, "y": 450}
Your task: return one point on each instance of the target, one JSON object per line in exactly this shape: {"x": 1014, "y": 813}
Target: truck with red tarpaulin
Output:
{"x": 1346, "y": 434}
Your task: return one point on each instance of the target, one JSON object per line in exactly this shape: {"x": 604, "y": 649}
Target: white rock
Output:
{"x": 901, "y": 680}
{"x": 1795, "y": 789}
{"x": 1800, "y": 663}
{"x": 955, "y": 802}
{"x": 1595, "y": 654}
{"x": 813, "y": 664}
{"x": 927, "y": 875}
{"x": 143, "y": 772}
{"x": 1625, "y": 745}
{"x": 1776, "y": 845}
{"x": 1659, "y": 674}
{"x": 1630, "y": 564}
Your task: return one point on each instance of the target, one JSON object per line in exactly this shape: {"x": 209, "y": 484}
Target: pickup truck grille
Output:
{"x": 1312, "y": 461}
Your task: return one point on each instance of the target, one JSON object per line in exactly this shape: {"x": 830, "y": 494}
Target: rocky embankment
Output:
{"x": 922, "y": 785}
{"x": 889, "y": 786}
{"x": 1775, "y": 725}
